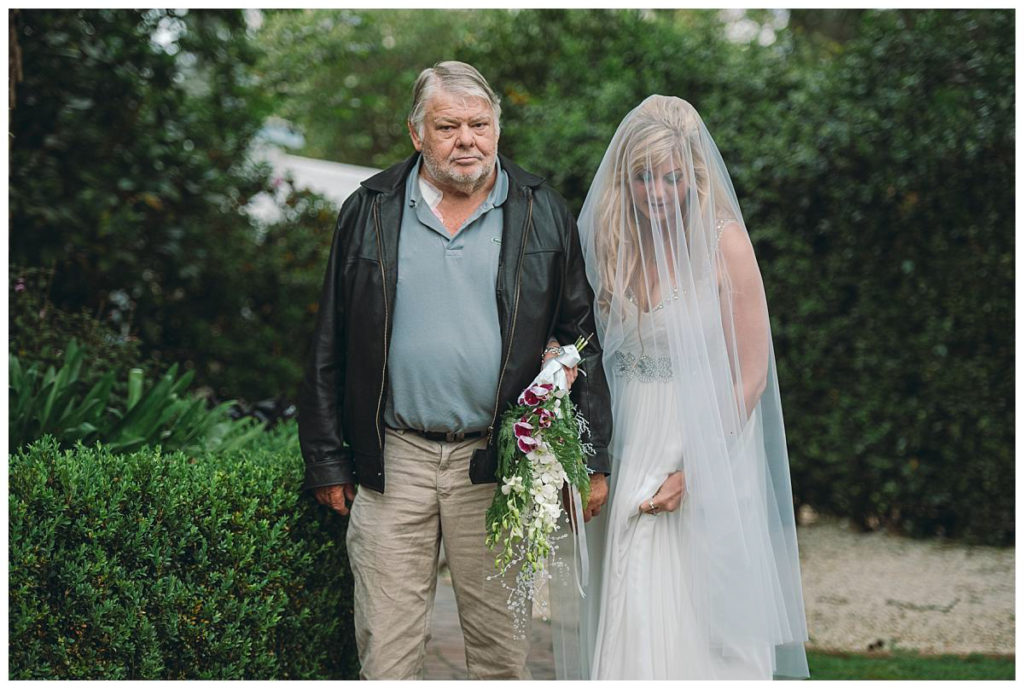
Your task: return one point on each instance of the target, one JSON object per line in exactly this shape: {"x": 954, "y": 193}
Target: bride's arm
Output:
{"x": 744, "y": 316}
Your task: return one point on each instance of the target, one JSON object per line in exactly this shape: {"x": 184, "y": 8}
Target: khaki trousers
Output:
{"x": 393, "y": 541}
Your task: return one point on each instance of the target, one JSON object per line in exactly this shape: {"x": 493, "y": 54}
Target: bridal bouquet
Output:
{"x": 539, "y": 451}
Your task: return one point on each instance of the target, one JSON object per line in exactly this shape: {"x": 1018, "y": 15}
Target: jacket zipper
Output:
{"x": 387, "y": 318}
{"x": 515, "y": 311}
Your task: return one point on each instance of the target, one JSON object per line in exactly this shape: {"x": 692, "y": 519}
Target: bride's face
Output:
{"x": 659, "y": 190}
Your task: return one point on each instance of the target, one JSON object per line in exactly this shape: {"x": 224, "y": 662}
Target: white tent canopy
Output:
{"x": 336, "y": 181}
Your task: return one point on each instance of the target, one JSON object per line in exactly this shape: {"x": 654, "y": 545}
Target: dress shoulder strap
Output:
{"x": 719, "y": 226}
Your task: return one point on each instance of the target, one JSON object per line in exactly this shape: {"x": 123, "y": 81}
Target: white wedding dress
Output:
{"x": 712, "y": 589}
{"x": 645, "y": 622}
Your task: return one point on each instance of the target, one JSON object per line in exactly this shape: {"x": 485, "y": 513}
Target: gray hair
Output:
{"x": 452, "y": 77}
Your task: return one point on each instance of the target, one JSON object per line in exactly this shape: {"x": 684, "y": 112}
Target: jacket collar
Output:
{"x": 391, "y": 180}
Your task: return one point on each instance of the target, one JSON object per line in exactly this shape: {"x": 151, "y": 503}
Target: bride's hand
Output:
{"x": 668, "y": 496}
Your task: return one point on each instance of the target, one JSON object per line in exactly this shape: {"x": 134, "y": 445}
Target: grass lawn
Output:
{"x": 908, "y": 665}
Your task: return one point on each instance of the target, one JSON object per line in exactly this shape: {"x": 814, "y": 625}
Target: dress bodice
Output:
{"x": 643, "y": 353}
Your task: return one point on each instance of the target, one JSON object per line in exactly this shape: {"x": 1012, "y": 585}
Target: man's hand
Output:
{"x": 668, "y": 496}
{"x": 570, "y": 373}
{"x": 598, "y": 496}
{"x": 335, "y": 496}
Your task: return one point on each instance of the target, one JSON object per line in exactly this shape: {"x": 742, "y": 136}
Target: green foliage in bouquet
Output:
{"x": 515, "y": 520}
{"x": 152, "y": 565}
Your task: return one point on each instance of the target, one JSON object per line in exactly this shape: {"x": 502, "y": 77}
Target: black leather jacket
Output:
{"x": 542, "y": 292}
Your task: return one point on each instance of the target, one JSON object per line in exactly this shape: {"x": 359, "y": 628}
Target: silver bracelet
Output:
{"x": 557, "y": 351}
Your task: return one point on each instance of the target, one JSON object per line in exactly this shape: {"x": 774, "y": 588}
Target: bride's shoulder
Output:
{"x": 726, "y": 227}
{"x": 732, "y": 241}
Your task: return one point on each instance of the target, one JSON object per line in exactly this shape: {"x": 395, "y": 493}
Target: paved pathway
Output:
{"x": 446, "y": 651}
{"x": 859, "y": 589}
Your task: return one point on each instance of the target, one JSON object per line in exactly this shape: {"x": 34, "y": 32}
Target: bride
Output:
{"x": 696, "y": 573}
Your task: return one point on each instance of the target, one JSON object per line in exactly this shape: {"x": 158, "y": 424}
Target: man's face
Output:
{"x": 459, "y": 142}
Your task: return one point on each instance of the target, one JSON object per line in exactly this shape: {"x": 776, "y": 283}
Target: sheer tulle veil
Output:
{"x": 661, "y": 231}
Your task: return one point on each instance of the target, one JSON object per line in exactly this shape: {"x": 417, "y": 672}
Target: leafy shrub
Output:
{"x": 55, "y": 402}
{"x": 39, "y": 331}
{"x": 169, "y": 566}
{"x": 882, "y": 209}
{"x": 131, "y": 172}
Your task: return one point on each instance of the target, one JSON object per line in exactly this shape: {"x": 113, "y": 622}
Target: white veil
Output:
{"x": 661, "y": 230}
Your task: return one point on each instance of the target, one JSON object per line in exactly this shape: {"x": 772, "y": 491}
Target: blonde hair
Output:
{"x": 659, "y": 129}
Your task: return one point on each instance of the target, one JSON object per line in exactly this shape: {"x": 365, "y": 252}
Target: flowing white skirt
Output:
{"x": 645, "y": 626}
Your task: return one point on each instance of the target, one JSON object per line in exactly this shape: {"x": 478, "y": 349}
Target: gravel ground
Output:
{"x": 877, "y": 591}
{"x": 862, "y": 592}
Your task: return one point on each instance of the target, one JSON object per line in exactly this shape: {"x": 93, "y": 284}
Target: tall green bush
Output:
{"x": 881, "y": 204}
{"x": 131, "y": 169}
{"x": 39, "y": 331}
{"x": 172, "y": 566}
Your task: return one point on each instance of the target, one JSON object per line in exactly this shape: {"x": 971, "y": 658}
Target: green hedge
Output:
{"x": 169, "y": 566}
{"x": 130, "y": 175}
{"x": 882, "y": 210}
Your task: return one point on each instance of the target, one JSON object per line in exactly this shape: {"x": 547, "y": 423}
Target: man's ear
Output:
{"x": 416, "y": 141}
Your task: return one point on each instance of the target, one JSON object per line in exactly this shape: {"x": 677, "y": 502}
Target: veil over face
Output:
{"x": 680, "y": 303}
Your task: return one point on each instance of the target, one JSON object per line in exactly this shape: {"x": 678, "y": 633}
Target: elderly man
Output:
{"x": 452, "y": 276}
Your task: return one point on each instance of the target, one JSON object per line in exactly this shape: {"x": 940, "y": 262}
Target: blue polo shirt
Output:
{"x": 445, "y": 354}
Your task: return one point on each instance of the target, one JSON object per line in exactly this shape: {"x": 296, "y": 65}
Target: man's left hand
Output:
{"x": 570, "y": 373}
{"x": 598, "y": 496}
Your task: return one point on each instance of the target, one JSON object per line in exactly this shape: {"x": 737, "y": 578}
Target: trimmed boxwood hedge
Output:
{"x": 173, "y": 566}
